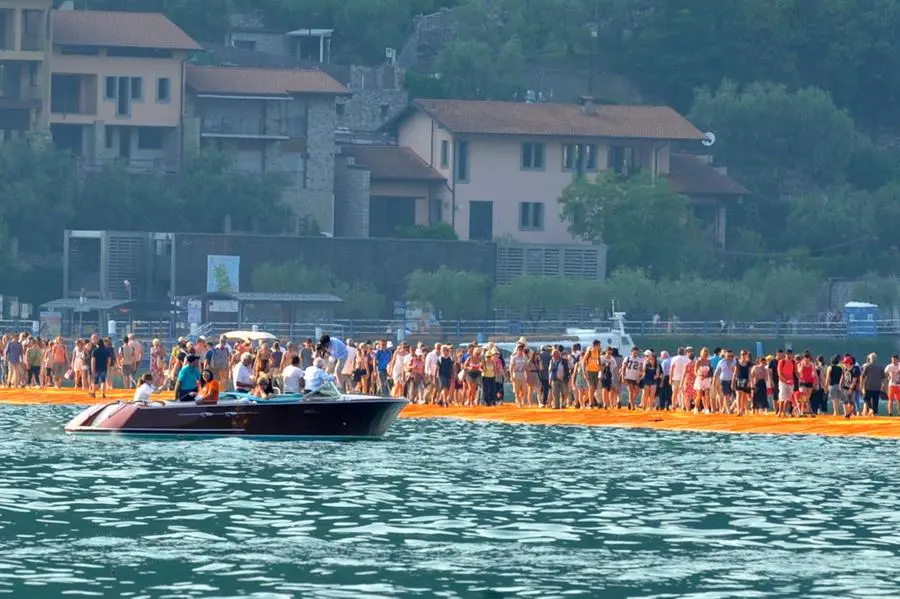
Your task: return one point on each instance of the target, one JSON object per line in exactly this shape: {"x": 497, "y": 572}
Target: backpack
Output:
{"x": 219, "y": 359}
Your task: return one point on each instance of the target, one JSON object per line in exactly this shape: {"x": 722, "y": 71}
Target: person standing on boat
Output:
{"x": 187, "y": 384}
{"x": 338, "y": 351}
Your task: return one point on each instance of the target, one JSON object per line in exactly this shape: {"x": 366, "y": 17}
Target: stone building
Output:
{"x": 280, "y": 120}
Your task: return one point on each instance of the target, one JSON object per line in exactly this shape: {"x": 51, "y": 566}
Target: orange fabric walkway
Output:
{"x": 888, "y": 428}
{"x": 676, "y": 421}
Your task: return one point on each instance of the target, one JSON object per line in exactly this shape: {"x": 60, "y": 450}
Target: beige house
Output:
{"x": 507, "y": 163}
{"x": 117, "y": 87}
{"x": 25, "y": 35}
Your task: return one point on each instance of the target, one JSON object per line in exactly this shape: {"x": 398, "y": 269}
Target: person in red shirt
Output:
{"x": 787, "y": 370}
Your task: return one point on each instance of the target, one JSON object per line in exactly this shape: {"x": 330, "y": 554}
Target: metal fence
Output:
{"x": 460, "y": 330}
{"x": 454, "y": 330}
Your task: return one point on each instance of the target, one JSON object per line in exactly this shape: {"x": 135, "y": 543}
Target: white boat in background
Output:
{"x": 615, "y": 336}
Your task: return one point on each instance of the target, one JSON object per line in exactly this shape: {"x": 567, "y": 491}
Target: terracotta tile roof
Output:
{"x": 119, "y": 29}
{"x": 392, "y": 163}
{"x": 560, "y": 120}
{"x": 690, "y": 175}
{"x": 261, "y": 82}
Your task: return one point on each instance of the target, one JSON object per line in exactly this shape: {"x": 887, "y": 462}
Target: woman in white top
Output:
{"x": 145, "y": 389}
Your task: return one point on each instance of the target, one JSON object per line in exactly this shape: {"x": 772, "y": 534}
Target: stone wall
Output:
{"x": 316, "y": 200}
{"x": 351, "y": 198}
{"x": 269, "y": 43}
{"x": 383, "y": 262}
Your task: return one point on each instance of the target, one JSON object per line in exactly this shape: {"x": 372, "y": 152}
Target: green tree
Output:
{"x": 37, "y": 189}
{"x": 775, "y": 140}
{"x": 537, "y": 297}
{"x": 453, "y": 294}
{"x": 879, "y": 290}
{"x": 642, "y": 222}
{"x": 360, "y": 299}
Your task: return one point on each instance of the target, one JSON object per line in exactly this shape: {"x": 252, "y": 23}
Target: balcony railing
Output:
{"x": 227, "y": 126}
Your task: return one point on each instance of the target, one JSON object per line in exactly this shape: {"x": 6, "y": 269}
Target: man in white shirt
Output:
{"x": 431, "y": 373}
{"x": 676, "y": 374}
{"x": 346, "y": 378}
{"x": 243, "y": 379}
{"x": 315, "y": 376}
{"x": 292, "y": 376}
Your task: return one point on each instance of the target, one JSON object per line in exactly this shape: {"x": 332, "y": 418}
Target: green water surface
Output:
{"x": 446, "y": 509}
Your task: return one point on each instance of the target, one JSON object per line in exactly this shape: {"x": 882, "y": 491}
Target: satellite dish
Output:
{"x": 709, "y": 139}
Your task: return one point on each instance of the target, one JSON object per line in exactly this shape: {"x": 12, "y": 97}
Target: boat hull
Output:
{"x": 363, "y": 418}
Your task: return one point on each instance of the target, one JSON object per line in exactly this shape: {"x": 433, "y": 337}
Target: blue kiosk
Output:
{"x": 861, "y": 319}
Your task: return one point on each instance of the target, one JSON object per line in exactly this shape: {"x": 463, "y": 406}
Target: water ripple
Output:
{"x": 447, "y": 509}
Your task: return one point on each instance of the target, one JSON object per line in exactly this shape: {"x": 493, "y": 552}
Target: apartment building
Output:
{"x": 116, "y": 89}
{"x": 25, "y": 35}
{"x": 279, "y": 120}
{"x": 507, "y": 163}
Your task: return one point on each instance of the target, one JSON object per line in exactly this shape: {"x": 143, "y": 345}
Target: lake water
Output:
{"x": 446, "y": 509}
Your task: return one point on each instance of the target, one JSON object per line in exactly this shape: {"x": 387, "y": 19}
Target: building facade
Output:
{"x": 25, "y": 46}
{"x": 507, "y": 163}
{"x": 272, "y": 120}
{"x": 116, "y": 87}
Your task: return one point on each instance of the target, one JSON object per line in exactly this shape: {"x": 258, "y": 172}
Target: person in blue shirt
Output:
{"x": 315, "y": 376}
{"x": 382, "y": 361}
{"x": 188, "y": 383}
{"x": 338, "y": 351}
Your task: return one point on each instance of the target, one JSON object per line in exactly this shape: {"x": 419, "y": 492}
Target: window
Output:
{"x": 385, "y": 110}
{"x": 79, "y": 50}
{"x": 532, "y": 156}
{"x": 137, "y": 88}
{"x": 339, "y": 109}
{"x": 123, "y": 99}
{"x": 580, "y": 157}
{"x": 112, "y": 86}
{"x": 110, "y": 140}
{"x": 163, "y": 89}
{"x": 531, "y": 216}
{"x": 462, "y": 161}
{"x": 625, "y": 160}
{"x": 244, "y": 44}
{"x": 150, "y": 138}
{"x": 445, "y": 153}
{"x": 570, "y": 156}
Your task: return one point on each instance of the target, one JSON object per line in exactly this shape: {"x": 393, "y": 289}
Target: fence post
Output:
{"x": 778, "y": 328}
{"x": 458, "y": 329}
{"x": 706, "y": 327}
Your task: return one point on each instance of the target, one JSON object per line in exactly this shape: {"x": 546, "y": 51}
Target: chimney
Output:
{"x": 587, "y": 105}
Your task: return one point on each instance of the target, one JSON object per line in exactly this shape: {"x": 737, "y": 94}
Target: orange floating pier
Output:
{"x": 884, "y": 428}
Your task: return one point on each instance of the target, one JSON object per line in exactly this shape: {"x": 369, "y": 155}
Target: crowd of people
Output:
{"x": 718, "y": 381}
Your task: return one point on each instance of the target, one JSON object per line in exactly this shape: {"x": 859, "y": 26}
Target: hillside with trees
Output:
{"x": 803, "y": 97}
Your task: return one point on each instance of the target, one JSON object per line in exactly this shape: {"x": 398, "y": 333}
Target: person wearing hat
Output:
{"x": 187, "y": 384}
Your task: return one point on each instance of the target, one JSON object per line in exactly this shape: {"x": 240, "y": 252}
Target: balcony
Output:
{"x": 73, "y": 95}
{"x": 251, "y": 127}
{"x": 23, "y": 34}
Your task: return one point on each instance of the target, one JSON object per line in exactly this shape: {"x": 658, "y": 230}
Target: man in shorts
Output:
{"x": 518, "y": 374}
{"x": 591, "y": 363}
{"x": 892, "y": 374}
{"x": 787, "y": 377}
{"x": 102, "y": 358}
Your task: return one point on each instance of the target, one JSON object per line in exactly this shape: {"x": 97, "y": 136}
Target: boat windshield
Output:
{"x": 327, "y": 391}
